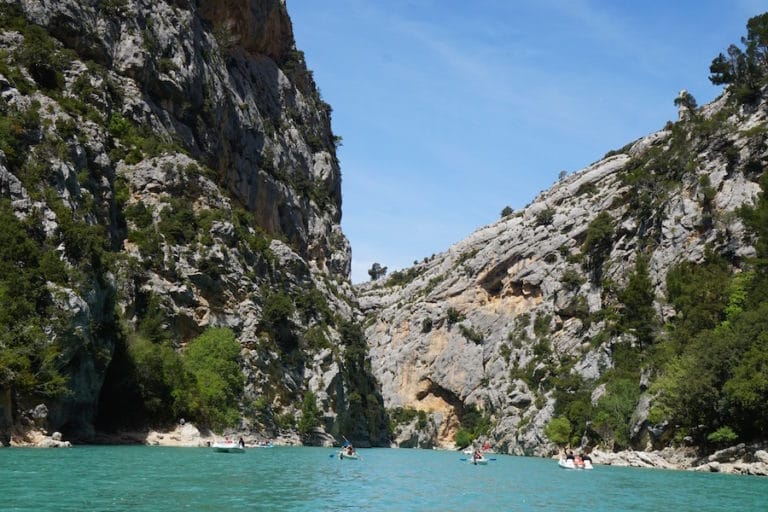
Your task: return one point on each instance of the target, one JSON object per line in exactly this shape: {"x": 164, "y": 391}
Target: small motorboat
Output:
{"x": 228, "y": 447}
{"x": 574, "y": 464}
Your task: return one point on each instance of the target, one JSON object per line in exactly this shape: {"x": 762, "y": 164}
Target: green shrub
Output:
{"x": 178, "y": 222}
{"x": 542, "y": 349}
{"x": 405, "y": 415}
{"x": 152, "y": 322}
{"x": 16, "y": 133}
{"x": 311, "y": 304}
{"x": 29, "y": 362}
{"x": 402, "y": 415}
{"x": 285, "y": 421}
{"x": 473, "y": 424}
{"x": 559, "y": 430}
{"x": 597, "y": 245}
{"x": 722, "y": 436}
{"x": 315, "y": 338}
{"x": 401, "y": 278}
{"x": 39, "y": 56}
{"x": 572, "y": 280}
{"x": 212, "y": 361}
{"x": 471, "y": 334}
{"x": 614, "y": 409}
{"x": 277, "y": 317}
{"x": 453, "y": 316}
{"x": 545, "y": 217}
{"x": 462, "y": 438}
{"x": 160, "y": 378}
{"x": 139, "y": 214}
{"x": 638, "y": 315}
{"x": 541, "y": 324}
{"x": 505, "y": 352}
{"x": 310, "y": 414}
{"x": 699, "y": 294}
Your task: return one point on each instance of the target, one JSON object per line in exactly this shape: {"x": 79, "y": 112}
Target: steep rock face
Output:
{"x": 226, "y": 79}
{"x": 186, "y": 145}
{"x": 493, "y": 320}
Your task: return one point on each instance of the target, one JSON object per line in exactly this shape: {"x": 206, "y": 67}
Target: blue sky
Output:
{"x": 451, "y": 110}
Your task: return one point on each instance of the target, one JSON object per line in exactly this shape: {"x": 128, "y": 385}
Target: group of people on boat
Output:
{"x": 579, "y": 460}
{"x": 240, "y": 442}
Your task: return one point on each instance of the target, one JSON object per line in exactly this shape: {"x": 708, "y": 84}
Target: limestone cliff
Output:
{"x": 503, "y": 319}
{"x": 174, "y": 164}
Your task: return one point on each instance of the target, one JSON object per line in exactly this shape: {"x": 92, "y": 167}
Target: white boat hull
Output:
{"x": 571, "y": 464}
{"x": 345, "y": 455}
{"x": 228, "y": 448}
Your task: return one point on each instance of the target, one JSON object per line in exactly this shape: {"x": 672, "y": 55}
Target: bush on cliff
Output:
{"x": 217, "y": 382}
{"x": 28, "y": 358}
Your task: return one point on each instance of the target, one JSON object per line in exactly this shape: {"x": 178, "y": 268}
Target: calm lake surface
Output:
{"x": 112, "y": 478}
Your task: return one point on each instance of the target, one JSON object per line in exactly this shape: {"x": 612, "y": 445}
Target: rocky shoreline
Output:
{"x": 740, "y": 459}
{"x": 182, "y": 435}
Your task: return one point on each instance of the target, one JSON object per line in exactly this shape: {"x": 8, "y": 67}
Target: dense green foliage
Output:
{"x": 17, "y": 131}
{"x": 28, "y": 359}
{"x": 406, "y": 415}
{"x": 708, "y": 364}
{"x": 613, "y": 411}
{"x": 559, "y": 431}
{"x": 310, "y": 414}
{"x": 211, "y": 360}
{"x": 151, "y": 382}
{"x": 597, "y": 245}
{"x": 710, "y": 361}
{"x": 718, "y": 375}
{"x": 638, "y": 315}
{"x": 473, "y": 424}
{"x": 545, "y": 217}
{"x": 402, "y": 277}
{"x": 277, "y": 316}
{"x": 365, "y": 418}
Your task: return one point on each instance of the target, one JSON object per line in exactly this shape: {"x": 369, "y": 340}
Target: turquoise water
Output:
{"x": 117, "y": 478}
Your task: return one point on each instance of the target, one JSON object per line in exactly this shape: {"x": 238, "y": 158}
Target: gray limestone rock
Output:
{"x": 508, "y": 281}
